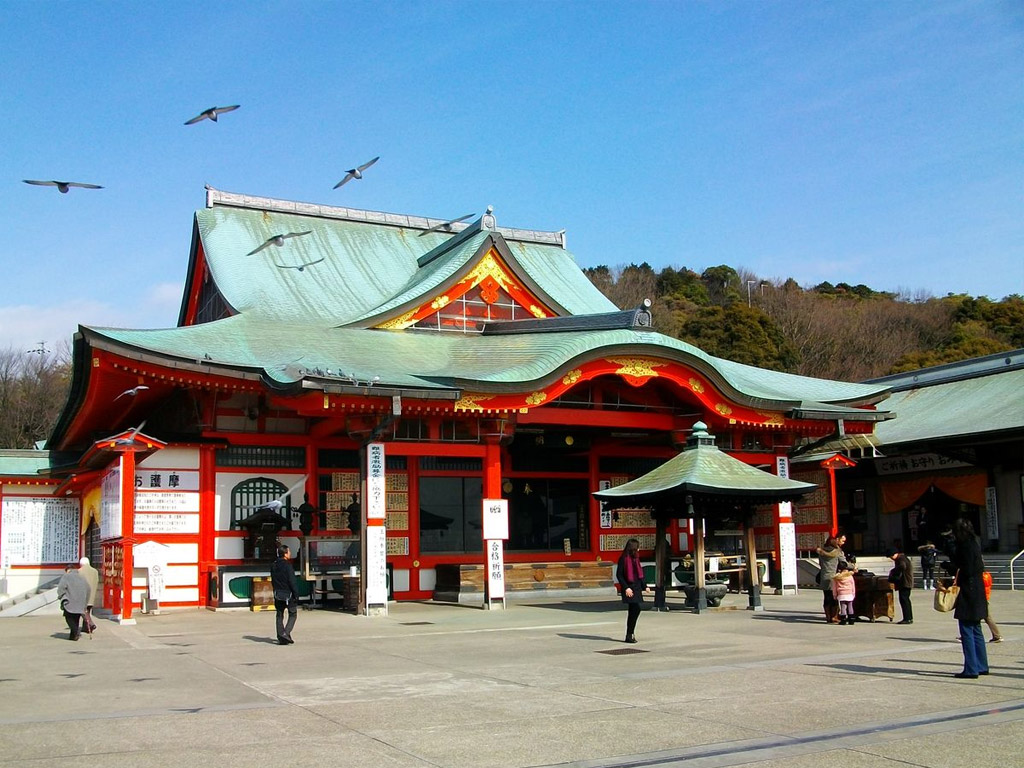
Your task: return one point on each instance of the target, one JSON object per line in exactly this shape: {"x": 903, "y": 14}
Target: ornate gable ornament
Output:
{"x": 489, "y": 292}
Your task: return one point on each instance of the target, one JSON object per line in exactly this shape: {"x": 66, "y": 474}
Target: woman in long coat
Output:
{"x": 829, "y": 555}
{"x": 630, "y": 575}
{"x": 964, "y": 553}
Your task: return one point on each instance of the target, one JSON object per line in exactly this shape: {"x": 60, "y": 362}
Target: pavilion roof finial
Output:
{"x": 699, "y": 436}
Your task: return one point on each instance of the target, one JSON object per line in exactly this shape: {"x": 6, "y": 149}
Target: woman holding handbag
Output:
{"x": 630, "y": 575}
{"x": 964, "y": 553}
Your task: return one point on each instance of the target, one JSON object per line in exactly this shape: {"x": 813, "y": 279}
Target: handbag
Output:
{"x": 283, "y": 595}
{"x": 945, "y": 597}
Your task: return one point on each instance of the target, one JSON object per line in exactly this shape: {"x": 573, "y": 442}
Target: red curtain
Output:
{"x": 900, "y": 494}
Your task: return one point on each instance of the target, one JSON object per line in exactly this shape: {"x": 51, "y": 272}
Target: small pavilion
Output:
{"x": 703, "y": 482}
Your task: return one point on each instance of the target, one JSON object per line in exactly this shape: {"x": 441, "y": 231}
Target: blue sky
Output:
{"x": 870, "y": 142}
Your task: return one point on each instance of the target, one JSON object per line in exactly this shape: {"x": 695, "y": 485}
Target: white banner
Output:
{"x": 376, "y": 491}
{"x": 782, "y": 466}
{"x": 919, "y": 462}
{"x": 166, "y": 501}
{"x": 166, "y": 522}
{"x": 787, "y": 553}
{"x": 110, "y": 503}
{"x": 495, "y": 570}
{"x": 166, "y": 480}
{"x": 375, "y": 570}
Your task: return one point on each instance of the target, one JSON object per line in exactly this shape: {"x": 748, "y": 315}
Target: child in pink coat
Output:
{"x": 844, "y": 591}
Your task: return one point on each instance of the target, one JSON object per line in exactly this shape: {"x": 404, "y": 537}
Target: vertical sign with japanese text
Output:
{"x": 991, "y": 513}
{"x": 495, "y": 570}
{"x": 376, "y": 565}
{"x": 376, "y": 491}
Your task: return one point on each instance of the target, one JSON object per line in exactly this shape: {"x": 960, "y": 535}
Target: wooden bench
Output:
{"x": 462, "y": 583}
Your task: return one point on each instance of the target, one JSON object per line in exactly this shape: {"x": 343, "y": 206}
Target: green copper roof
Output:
{"x": 23, "y": 463}
{"x": 287, "y": 353}
{"x": 990, "y": 403}
{"x": 703, "y": 469}
{"x": 366, "y": 266}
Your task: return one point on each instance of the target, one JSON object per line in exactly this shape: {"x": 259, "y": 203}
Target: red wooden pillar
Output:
{"x": 127, "y": 534}
{"x": 207, "y": 519}
{"x": 492, "y": 468}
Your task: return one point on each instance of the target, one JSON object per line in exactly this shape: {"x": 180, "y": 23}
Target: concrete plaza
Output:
{"x": 545, "y": 682}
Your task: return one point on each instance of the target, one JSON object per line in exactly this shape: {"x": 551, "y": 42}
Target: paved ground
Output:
{"x": 542, "y": 683}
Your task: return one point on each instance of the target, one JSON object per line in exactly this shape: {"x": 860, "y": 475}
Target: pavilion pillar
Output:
{"x": 753, "y": 582}
{"x": 698, "y": 565}
{"x": 661, "y": 561}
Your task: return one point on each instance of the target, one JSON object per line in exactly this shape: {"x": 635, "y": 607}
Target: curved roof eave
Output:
{"x": 286, "y": 354}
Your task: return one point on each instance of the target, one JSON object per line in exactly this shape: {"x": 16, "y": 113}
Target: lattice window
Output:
{"x": 251, "y": 493}
{"x": 468, "y": 313}
{"x": 261, "y": 456}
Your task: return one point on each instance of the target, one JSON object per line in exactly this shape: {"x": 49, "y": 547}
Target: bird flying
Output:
{"x": 63, "y": 186}
{"x": 131, "y": 392}
{"x": 299, "y": 267}
{"x": 276, "y": 504}
{"x": 212, "y": 113}
{"x": 356, "y": 173}
{"x": 447, "y": 225}
{"x": 130, "y": 437}
{"x": 278, "y": 240}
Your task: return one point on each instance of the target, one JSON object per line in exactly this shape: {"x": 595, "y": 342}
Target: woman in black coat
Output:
{"x": 964, "y": 553}
{"x": 630, "y": 575}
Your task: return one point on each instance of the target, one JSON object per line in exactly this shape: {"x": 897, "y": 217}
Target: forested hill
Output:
{"x": 846, "y": 332}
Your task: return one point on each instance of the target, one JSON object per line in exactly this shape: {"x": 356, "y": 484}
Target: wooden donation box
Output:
{"x": 873, "y": 598}
{"x": 262, "y": 594}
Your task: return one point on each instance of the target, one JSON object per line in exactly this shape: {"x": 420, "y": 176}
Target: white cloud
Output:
{"x": 24, "y": 326}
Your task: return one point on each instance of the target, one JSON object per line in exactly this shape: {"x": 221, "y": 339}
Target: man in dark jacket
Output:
{"x": 902, "y": 578}
{"x": 286, "y": 593}
{"x": 966, "y": 561}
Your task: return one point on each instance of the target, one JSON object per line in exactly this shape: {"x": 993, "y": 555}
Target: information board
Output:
{"x": 40, "y": 529}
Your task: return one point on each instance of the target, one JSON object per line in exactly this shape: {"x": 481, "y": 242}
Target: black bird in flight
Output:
{"x": 447, "y": 225}
{"x": 63, "y": 186}
{"x": 299, "y": 267}
{"x": 212, "y": 113}
{"x": 278, "y": 240}
{"x": 356, "y": 173}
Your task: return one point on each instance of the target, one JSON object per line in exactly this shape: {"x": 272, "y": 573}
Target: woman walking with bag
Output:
{"x": 630, "y": 575}
{"x": 964, "y": 553}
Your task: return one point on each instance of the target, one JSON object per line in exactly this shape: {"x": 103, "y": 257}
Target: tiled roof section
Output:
{"x": 23, "y": 463}
{"x": 958, "y": 371}
{"x": 703, "y": 469}
{"x": 284, "y": 353}
{"x": 958, "y": 408}
{"x": 353, "y": 263}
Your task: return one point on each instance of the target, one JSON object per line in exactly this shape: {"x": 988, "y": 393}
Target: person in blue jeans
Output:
{"x": 965, "y": 560}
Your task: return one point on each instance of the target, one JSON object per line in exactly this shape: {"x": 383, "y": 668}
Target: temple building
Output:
{"x": 479, "y": 357}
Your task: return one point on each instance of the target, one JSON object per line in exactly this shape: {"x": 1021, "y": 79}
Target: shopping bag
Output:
{"x": 945, "y": 598}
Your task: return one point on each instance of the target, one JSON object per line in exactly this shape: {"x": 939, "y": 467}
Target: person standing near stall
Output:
{"x": 630, "y": 575}
{"x": 902, "y": 578}
{"x": 286, "y": 593}
{"x": 829, "y": 555}
{"x": 964, "y": 551}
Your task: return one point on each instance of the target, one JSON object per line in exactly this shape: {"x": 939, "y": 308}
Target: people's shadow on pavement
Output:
{"x": 601, "y": 638}
{"x": 260, "y": 639}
